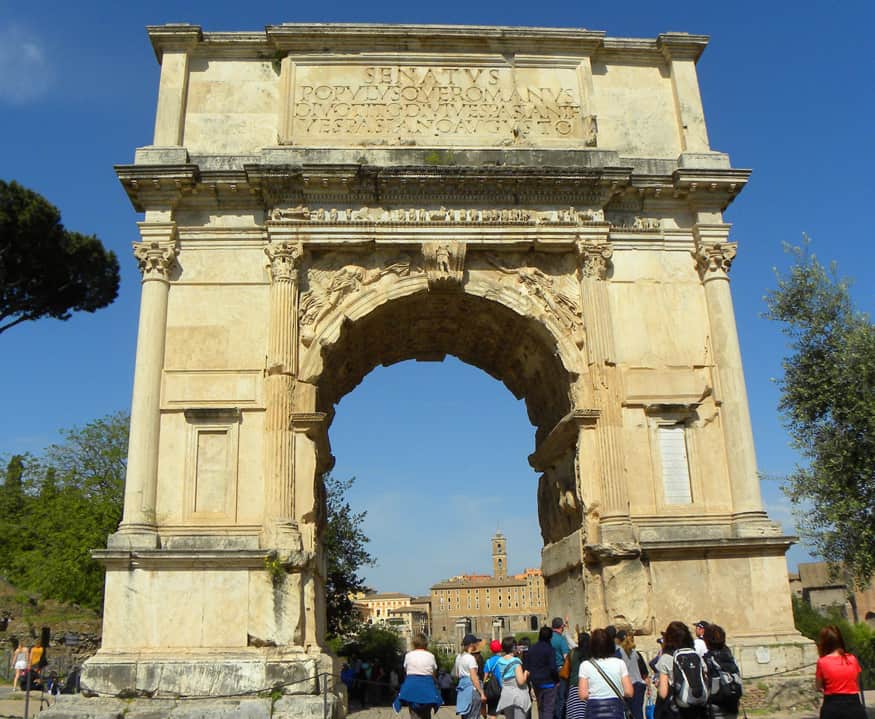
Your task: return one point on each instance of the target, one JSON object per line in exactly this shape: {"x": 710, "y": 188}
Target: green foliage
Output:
{"x": 274, "y": 568}
{"x": 828, "y": 404}
{"x": 46, "y": 270}
{"x": 56, "y": 508}
{"x": 859, "y": 638}
{"x": 345, "y": 547}
{"x": 375, "y": 642}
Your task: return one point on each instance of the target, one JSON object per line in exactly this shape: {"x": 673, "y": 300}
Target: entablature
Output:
{"x": 504, "y": 187}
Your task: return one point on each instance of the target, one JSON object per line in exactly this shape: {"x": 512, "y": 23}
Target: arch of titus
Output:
{"x": 541, "y": 203}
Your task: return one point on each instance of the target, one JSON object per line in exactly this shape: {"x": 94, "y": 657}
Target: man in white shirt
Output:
{"x": 699, "y": 643}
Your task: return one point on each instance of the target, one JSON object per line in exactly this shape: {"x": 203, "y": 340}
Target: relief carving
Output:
{"x": 330, "y": 284}
{"x": 595, "y": 258}
{"x": 626, "y": 221}
{"x": 544, "y": 293}
{"x": 444, "y": 264}
{"x": 442, "y": 215}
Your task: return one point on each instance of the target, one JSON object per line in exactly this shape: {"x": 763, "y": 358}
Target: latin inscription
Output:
{"x": 426, "y": 105}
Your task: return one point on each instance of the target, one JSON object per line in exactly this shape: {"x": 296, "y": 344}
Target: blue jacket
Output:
{"x": 418, "y": 691}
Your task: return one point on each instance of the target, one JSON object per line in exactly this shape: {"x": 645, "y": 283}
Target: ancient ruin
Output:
{"x": 541, "y": 203}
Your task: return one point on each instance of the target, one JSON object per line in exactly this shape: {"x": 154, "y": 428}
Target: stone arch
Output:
{"x": 485, "y": 325}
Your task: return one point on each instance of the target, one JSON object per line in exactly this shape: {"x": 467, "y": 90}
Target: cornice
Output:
{"x": 174, "y": 36}
{"x": 562, "y": 437}
{"x": 150, "y": 186}
{"x": 269, "y": 185}
{"x": 371, "y": 38}
{"x": 682, "y": 45}
{"x": 422, "y": 38}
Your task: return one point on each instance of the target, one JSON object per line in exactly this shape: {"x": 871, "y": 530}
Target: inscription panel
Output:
{"x": 385, "y": 103}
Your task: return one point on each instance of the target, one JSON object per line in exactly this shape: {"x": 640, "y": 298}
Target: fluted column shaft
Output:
{"x": 156, "y": 255}
{"x": 279, "y": 510}
{"x": 595, "y": 254}
{"x": 714, "y": 257}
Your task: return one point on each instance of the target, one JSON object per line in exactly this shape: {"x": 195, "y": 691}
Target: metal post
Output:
{"x": 27, "y": 695}
{"x": 324, "y": 696}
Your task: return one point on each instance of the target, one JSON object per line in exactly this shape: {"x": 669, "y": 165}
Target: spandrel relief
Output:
{"x": 332, "y": 279}
{"x": 547, "y": 281}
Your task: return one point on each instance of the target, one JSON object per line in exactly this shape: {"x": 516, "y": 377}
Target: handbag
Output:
{"x": 610, "y": 683}
{"x": 565, "y": 669}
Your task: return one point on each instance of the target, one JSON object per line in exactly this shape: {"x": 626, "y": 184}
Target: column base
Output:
{"x": 754, "y": 524}
{"x": 617, "y": 530}
{"x": 134, "y": 536}
{"x": 284, "y": 536}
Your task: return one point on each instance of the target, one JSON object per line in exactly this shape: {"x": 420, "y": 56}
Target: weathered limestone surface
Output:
{"x": 541, "y": 203}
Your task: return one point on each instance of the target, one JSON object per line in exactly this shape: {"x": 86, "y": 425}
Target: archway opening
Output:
{"x": 450, "y": 530}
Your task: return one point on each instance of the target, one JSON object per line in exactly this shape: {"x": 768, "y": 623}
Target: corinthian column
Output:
{"x": 714, "y": 257}
{"x": 279, "y": 510}
{"x": 594, "y": 255}
{"x": 156, "y": 255}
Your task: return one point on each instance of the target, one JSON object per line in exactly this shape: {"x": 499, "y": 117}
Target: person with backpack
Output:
{"x": 603, "y": 680}
{"x": 724, "y": 673}
{"x": 682, "y": 690}
{"x": 515, "y": 701}
{"x": 838, "y": 677}
{"x": 492, "y": 682}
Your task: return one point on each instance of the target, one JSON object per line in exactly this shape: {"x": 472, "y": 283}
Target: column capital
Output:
{"x": 156, "y": 253}
{"x": 284, "y": 258}
{"x": 713, "y": 252}
{"x": 594, "y": 257}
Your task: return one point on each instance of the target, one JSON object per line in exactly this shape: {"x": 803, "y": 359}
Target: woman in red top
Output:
{"x": 837, "y": 677}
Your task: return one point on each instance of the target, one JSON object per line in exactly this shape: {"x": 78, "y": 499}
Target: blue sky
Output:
{"x": 787, "y": 90}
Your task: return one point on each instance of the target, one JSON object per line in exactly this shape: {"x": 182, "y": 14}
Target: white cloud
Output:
{"x": 25, "y": 72}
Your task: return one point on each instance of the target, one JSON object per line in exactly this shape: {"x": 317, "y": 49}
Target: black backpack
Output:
{"x": 725, "y": 685}
{"x": 690, "y": 682}
{"x": 492, "y": 687}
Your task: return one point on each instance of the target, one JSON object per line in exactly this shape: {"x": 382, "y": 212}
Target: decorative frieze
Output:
{"x": 441, "y": 215}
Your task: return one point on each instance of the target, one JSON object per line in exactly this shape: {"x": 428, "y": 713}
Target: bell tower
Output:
{"x": 499, "y": 555}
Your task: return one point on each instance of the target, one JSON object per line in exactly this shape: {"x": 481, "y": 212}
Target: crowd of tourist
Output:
{"x": 602, "y": 675}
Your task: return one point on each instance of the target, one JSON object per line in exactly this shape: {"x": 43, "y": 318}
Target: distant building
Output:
{"x": 816, "y": 585}
{"x": 405, "y": 613}
{"x": 488, "y": 606}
